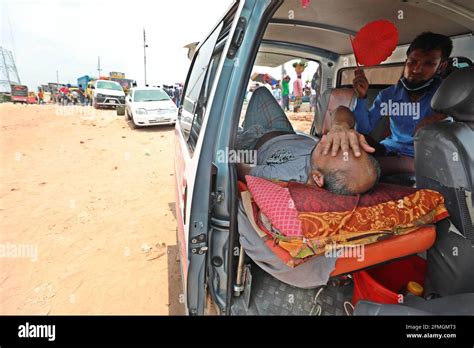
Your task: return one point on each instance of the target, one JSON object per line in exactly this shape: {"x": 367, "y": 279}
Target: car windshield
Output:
{"x": 109, "y": 85}
{"x": 150, "y": 95}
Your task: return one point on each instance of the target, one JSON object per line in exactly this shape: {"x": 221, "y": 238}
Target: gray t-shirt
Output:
{"x": 286, "y": 157}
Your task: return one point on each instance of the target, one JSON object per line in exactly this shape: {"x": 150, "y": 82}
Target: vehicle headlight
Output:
{"x": 141, "y": 112}
{"x": 100, "y": 95}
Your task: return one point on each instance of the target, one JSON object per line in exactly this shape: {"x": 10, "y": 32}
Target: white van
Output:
{"x": 219, "y": 273}
{"x": 107, "y": 93}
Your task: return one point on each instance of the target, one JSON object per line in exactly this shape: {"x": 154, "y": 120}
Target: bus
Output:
{"x": 19, "y": 94}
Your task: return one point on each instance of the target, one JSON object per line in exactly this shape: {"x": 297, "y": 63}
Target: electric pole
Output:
{"x": 98, "y": 67}
{"x": 144, "y": 53}
{"x": 57, "y": 77}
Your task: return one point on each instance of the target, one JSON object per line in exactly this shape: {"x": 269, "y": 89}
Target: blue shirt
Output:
{"x": 404, "y": 115}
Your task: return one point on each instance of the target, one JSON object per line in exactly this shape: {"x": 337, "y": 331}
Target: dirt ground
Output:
{"x": 87, "y": 213}
{"x": 96, "y": 200}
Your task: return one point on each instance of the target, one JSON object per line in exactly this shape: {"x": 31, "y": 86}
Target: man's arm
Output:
{"x": 342, "y": 135}
{"x": 366, "y": 119}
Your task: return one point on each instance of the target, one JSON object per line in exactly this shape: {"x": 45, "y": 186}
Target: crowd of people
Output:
{"x": 175, "y": 93}
{"x": 68, "y": 94}
{"x": 72, "y": 95}
{"x": 281, "y": 91}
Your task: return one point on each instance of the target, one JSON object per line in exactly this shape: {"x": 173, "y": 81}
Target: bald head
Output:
{"x": 344, "y": 174}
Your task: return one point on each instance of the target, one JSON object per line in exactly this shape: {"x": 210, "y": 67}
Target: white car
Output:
{"x": 107, "y": 93}
{"x": 149, "y": 106}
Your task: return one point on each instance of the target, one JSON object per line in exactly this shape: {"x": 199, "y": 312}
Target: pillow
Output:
{"x": 311, "y": 198}
{"x": 275, "y": 202}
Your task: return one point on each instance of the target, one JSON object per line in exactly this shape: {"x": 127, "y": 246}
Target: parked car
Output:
{"x": 149, "y": 106}
{"x": 108, "y": 94}
{"x": 217, "y": 277}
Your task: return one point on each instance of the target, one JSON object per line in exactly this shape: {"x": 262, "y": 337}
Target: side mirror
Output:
{"x": 92, "y": 87}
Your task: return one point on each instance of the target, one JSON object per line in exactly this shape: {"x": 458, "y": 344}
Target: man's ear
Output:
{"x": 318, "y": 178}
{"x": 442, "y": 66}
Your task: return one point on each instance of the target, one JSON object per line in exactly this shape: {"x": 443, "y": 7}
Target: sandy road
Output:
{"x": 87, "y": 221}
{"x": 87, "y": 214}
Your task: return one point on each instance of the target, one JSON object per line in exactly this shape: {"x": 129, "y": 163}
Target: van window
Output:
{"x": 200, "y": 81}
{"x": 377, "y": 75}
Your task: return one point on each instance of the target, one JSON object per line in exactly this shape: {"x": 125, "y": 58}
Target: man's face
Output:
{"x": 358, "y": 172}
{"x": 421, "y": 66}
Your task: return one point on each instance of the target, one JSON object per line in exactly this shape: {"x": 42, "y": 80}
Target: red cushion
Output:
{"x": 311, "y": 198}
{"x": 275, "y": 202}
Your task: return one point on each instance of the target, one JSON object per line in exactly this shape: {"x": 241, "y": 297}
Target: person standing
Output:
{"x": 298, "y": 93}
{"x": 81, "y": 95}
{"x": 314, "y": 91}
{"x": 40, "y": 96}
{"x": 285, "y": 93}
{"x": 177, "y": 96}
{"x": 298, "y": 84}
{"x": 277, "y": 92}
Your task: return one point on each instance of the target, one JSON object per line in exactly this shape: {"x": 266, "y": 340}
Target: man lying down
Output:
{"x": 284, "y": 155}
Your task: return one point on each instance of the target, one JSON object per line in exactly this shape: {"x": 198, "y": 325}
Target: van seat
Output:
{"x": 382, "y": 251}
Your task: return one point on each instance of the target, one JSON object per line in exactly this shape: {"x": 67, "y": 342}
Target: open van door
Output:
{"x": 193, "y": 201}
{"x": 199, "y": 123}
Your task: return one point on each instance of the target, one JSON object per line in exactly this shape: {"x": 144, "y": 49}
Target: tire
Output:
{"x": 94, "y": 104}
{"x": 127, "y": 115}
{"x": 134, "y": 125}
{"x": 269, "y": 296}
{"x": 120, "y": 110}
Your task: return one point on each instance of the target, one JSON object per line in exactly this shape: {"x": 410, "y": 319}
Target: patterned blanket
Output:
{"x": 326, "y": 220}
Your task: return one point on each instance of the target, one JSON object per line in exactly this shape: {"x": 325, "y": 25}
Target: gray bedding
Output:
{"x": 313, "y": 273}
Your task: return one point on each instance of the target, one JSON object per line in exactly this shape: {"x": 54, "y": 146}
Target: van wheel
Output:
{"x": 269, "y": 296}
{"x": 94, "y": 104}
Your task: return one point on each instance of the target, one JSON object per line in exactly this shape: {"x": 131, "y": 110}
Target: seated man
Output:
{"x": 286, "y": 156}
{"x": 408, "y": 103}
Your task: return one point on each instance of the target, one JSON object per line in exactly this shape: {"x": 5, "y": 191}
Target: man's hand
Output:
{"x": 360, "y": 83}
{"x": 345, "y": 139}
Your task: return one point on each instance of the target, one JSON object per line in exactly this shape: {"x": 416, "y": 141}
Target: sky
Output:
{"x": 68, "y": 36}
